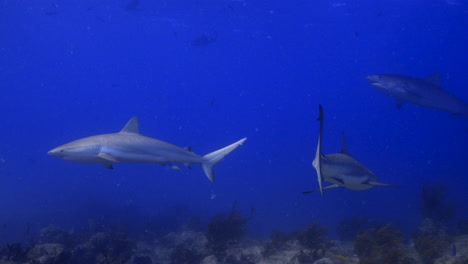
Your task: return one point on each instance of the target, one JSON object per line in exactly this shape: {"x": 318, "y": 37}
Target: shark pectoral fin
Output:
{"x": 174, "y": 167}
{"x": 381, "y": 184}
{"x": 324, "y": 188}
{"x": 338, "y": 180}
{"x": 107, "y": 157}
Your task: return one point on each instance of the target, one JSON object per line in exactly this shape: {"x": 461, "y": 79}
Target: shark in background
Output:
{"x": 129, "y": 145}
{"x": 423, "y": 92}
{"x": 341, "y": 169}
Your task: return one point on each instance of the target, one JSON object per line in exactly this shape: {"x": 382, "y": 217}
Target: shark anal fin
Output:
{"x": 398, "y": 103}
{"x": 107, "y": 157}
{"x": 108, "y": 165}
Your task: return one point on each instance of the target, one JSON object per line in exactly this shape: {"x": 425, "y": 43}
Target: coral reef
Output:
{"x": 226, "y": 229}
{"x": 306, "y": 245}
{"x": 349, "y": 227}
{"x": 431, "y": 241}
{"x": 457, "y": 256}
{"x": 310, "y": 245}
{"x": 56, "y": 246}
{"x": 48, "y": 253}
{"x": 56, "y": 235}
{"x": 462, "y": 226}
{"x": 184, "y": 255}
{"x": 13, "y": 252}
{"x": 186, "y": 246}
{"x": 141, "y": 260}
{"x": 104, "y": 248}
{"x": 381, "y": 245}
{"x": 314, "y": 236}
{"x": 435, "y": 204}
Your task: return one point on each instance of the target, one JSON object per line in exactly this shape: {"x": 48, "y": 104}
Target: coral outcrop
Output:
{"x": 431, "y": 241}
{"x": 381, "y": 245}
{"x": 226, "y": 229}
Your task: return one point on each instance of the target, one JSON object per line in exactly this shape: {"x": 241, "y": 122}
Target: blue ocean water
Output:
{"x": 207, "y": 73}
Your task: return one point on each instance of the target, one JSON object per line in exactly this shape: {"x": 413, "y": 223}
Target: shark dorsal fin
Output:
{"x": 344, "y": 145}
{"x": 132, "y": 126}
{"x": 433, "y": 79}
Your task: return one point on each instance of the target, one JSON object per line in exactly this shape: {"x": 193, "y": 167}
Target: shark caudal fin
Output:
{"x": 216, "y": 156}
{"x": 317, "y": 162}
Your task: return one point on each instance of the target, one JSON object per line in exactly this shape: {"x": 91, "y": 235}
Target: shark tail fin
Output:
{"x": 216, "y": 156}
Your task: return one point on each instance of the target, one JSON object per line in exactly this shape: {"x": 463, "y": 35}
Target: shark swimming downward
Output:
{"x": 341, "y": 169}
{"x": 423, "y": 92}
{"x": 129, "y": 145}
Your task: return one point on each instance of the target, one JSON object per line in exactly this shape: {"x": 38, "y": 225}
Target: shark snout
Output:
{"x": 372, "y": 78}
{"x": 54, "y": 152}
{"x": 376, "y": 81}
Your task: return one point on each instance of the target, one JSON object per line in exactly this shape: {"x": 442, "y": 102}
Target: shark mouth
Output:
{"x": 372, "y": 81}
{"x": 377, "y": 85}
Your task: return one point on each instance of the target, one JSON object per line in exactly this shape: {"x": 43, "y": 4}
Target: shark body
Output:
{"x": 129, "y": 145}
{"x": 341, "y": 169}
{"x": 423, "y": 92}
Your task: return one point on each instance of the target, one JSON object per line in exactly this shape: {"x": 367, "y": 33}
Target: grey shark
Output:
{"x": 341, "y": 169}
{"x": 423, "y": 92}
{"x": 129, "y": 145}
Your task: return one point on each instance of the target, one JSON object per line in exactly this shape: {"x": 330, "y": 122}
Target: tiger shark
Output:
{"x": 423, "y": 92}
{"x": 341, "y": 169}
{"x": 129, "y": 145}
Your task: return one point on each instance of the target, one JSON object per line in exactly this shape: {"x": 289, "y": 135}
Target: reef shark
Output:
{"x": 341, "y": 169}
{"x": 423, "y": 92}
{"x": 129, "y": 145}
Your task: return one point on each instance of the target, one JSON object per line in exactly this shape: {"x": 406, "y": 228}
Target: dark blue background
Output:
{"x": 80, "y": 68}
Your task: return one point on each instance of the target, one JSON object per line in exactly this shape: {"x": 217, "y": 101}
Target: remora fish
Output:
{"x": 129, "y": 145}
{"x": 423, "y": 92}
{"x": 341, "y": 169}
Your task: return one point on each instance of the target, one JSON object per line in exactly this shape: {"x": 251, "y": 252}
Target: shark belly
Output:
{"x": 148, "y": 154}
{"x": 345, "y": 171}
